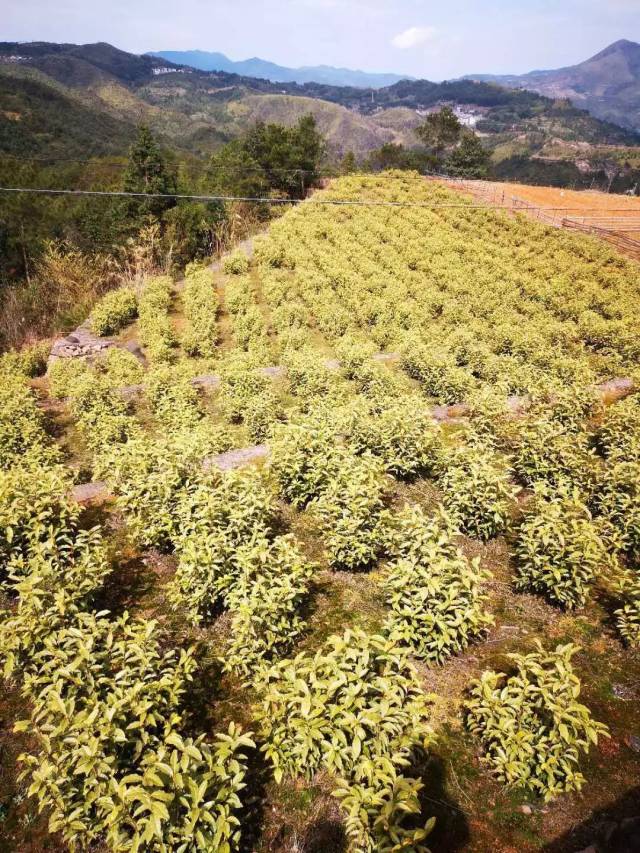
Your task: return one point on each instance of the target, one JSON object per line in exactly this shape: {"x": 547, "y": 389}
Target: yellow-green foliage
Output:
{"x": 112, "y": 762}
{"x": 434, "y": 592}
{"x": 531, "y": 725}
{"x": 403, "y": 435}
{"x": 547, "y": 452}
{"x": 212, "y": 518}
{"x": 120, "y": 368}
{"x": 156, "y": 332}
{"x": 23, "y": 440}
{"x": 36, "y": 516}
{"x": 271, "y": 588}
{"x": 619, "y": 433}
{"x": 65, "y": 374}
{"x": 559, "y": 549}
{"x": 236, "y": 264}
{"x": 54, "y": 589}
{"x": 618, "y": 502}
{"x": 350, "y": 510}
{"x": 628, "y": 615}
{"x": 248, "y": 397}
{"x": 114, "y": 311}
{"x": 356, "y": 710}
{"x": 477, "y": 491}
{"x": 28, "y": 362}
{"x": 200, "y": 304}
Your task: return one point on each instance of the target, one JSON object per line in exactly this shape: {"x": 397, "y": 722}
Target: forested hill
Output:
{"x": 64, "y": 98}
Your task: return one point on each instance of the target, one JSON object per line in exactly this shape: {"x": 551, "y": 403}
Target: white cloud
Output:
{"x": 414, "y": 37}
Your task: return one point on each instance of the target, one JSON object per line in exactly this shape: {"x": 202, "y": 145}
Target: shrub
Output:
{"x": 112, "y": 762}
{"x": 548, "y": 453}
{"x": 355, "y": 709}
{"x": 477, "y": 493}
{"x": 28, "y": 362}
{"x": 618, "y": 502}
{"x": 236, "y": 264}
{"x": 559, "y": 548}
{"x": 433, "y": 591}
{"x": 120, "y": 368}
{"x": 36, "y": 517}
{"x": 114, "y": 311}
{"x": 200, "y": 303}
{"x": 65, "y": 374}
{"x": 248, "y": 397}
{"x": 23, "y": 440}
{"x": 350, "y": 511}
{"x": 102, "y": 416}
{"x": 628, "y": 615}
{"x": 51, "y": 594}
{"x": 437, "y": 372}
{"x": 619, "y": 433}
{"x": 214, "y": 517}
{"x": 404, "y": 436}
{"x": 304, "y": 459}
{"x": 531, "y": 725}
{"x": 156, "y": 332}
{"x": 272, "y": 587}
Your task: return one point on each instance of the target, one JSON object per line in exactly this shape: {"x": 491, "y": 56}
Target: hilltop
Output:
{"x": 607, "y": 84}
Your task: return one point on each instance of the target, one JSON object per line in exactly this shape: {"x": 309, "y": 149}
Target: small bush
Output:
{"x": 120, "y": 368}
{"x": 433, "y": 591}
{"x": 236, "y": 264}
{"x": 200, "y": 302}
{"x": 628, "y": 615}
{"x": 531, "y": 725}
{"x": 559, "y": 548}
{"x": 477, "y": 493}
{"x": 350, "y": 510}
{"x": 156, "y": 332}
{"x": 114, "y": 311}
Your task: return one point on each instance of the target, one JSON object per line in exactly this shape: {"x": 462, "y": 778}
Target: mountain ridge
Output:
{"x": 261, "y": 68}
{"x": 607, "y": 84}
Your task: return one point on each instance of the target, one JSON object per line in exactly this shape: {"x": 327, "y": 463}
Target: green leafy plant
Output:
{"x": 236, "y": 264}
{"x": 559, "y": 548}
{"x": 350, "y": 510}
{"x": 156, "y": 332}
{"x": 200, "y": 303}
{"x": 476, "y": 491}
{"x": 356, "y": 710}
{"x": 112, "y": 761}
{"x": 114, "y": 311}
{"x": 531, "y": 725}
{"x": 271, "y": 588}
{"x": 23, "y": 440}
{"x": 628, "y": 615}
{"x": 433, "y": 591}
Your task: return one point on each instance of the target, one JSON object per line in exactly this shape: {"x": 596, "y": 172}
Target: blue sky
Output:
{"x": 436, "y": 40}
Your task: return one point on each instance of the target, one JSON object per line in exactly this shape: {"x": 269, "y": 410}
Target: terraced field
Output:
{"x": 414, "y": 594}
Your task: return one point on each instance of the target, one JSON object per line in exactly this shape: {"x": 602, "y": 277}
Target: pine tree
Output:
{"x": 147, "y": 172}
{"x": 470, "y": 159}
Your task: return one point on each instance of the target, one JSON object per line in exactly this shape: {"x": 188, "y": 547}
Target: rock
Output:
{"x": 332, "y": 364}
{"x": 129, "y": 392}
{"x": 273, "y": 372}
{"x": 525, "y": 809}
{"x": 386, "y": 356}
{"x": 633, "y": 742}
{"x": 91, "y": 493}
{"x": 235, "y": 458}
{"x": 616, "y": 389}
{"x": 207, "y": 380}
{"x": 134, "y": 348}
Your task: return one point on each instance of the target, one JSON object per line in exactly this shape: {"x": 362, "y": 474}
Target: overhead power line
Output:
{"x": 313, "y": 200}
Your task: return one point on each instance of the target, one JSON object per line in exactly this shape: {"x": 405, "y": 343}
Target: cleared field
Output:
{"x": 603, "y": 214}
{"x": 421, "y": 601}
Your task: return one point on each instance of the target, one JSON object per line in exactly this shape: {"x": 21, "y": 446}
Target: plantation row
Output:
{"x": 474, "y": 318}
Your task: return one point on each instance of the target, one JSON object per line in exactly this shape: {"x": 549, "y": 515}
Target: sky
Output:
{"x": 423, "y": 38}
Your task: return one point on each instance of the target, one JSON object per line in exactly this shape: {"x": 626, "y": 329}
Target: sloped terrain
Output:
{"x": 447, "y": 491}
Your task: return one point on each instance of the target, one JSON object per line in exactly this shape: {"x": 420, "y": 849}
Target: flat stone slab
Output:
{"x": 386, "y": 356}
{"x": 273, "y": 372}
{"x": 236, "y": 458}
{"x": 207, "y": 380}
{"x": 89, "y": 493}
{"x": 616, "y": 389}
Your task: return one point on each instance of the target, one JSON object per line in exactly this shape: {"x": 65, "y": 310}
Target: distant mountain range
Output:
{"x": 66, "y": 100}
{"x": 262, "y": 69}
{"x": 607, "y": 84}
